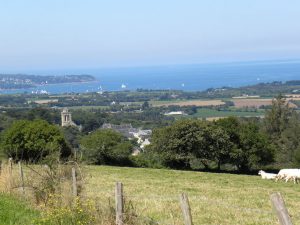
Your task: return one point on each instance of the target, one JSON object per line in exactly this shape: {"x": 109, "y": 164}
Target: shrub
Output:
{"x": 106, "y": 147}
{"x": 33, "y": 141}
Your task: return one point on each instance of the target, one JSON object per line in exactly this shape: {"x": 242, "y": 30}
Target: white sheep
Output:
{"x": 294, "y": 178}
{"x": 288, "y": 174}
{"x": 267, "y": 176}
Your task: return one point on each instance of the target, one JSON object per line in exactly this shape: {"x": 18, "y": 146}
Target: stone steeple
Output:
{"x": 66, "y": 118}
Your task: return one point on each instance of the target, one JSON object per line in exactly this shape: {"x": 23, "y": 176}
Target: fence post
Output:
{"x": 74, "y": 182}
{"x": 21, "y": 177}
{"x": 280, "y": 209}
{"x": 10, "y": 166}
{"x": 10, "y": 174}
{"x": 186, "y": 210}
{"x": 119, "y": 203}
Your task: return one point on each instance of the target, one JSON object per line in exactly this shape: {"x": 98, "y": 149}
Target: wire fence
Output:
{"x": 168, "y": 198}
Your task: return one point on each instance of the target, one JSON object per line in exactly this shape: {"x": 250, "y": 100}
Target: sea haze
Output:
{"x": 180, "y": 77}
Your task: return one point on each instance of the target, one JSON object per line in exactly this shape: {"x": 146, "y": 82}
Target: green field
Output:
{"x": 206, "y": 112}
{"x": 214, "y": 198}
{"x": 14, "y": 211}
{"x": 154, "y": 193}
{"x": 87, "y": 107}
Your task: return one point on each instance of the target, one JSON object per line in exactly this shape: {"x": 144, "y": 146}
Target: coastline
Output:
{"x": 48, "y": 85}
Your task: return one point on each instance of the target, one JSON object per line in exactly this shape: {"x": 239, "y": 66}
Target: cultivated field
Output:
{"x": 189, "y": 103}
{"x": 214, "y": 198}
{"x": 256, "y": 103}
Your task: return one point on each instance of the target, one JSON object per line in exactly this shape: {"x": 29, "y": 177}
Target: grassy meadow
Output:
{"x": 214, "y": 198}
{"x": 14, "y": 211}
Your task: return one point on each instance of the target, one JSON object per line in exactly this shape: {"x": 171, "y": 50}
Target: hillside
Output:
{"x": 214, "y": 198}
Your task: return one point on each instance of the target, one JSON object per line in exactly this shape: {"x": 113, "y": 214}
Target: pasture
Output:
{"x": 214, "y": 198}
{"x": 14, "y": 211}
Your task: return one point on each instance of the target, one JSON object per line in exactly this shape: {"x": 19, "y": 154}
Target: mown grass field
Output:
{"x": 214, "y": 198}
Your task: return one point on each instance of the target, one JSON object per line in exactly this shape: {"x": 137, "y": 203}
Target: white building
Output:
{"x": 174, "y": 113}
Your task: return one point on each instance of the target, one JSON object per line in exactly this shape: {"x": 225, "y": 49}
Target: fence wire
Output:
{"x": 173, "y": 198}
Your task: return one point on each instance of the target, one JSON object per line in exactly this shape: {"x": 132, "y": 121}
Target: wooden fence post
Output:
{"x": 119, "y": 203}
{"x": 74, "y": 182}
{"x": 10, "y": 166}
{"x": 21, "y": 177}
{"x": 280, "y": 209}
{"x": 186, "y": 210}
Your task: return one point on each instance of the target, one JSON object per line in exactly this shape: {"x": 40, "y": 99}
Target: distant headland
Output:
{"x": 19, "y": 81}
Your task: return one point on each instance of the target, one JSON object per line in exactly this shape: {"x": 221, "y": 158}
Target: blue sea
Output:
{"x": 180, "y": 77}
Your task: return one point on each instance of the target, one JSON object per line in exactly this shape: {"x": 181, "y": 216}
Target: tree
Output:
{"x": 282, "y": 124}
{"x": 231, "y": 125}
{"x": 145, "y": 105}
{"x": 5, "y": 121}
{"x": 72, "y": 136}
{"x": 225, "y": 141}
{"x": 33, "y": 141}
{"x": 217, "y": 144}
{"x": 176, "y": 143}
{"x": 89, "y": 120}
{"x": 288, "y": 143}
{"x": 277, "y": 118}
{"x": 253, "y": 148}
{"x": 250, "y": 147}
{"x": 106, "y": 147}
{"x": 50, "y": 115}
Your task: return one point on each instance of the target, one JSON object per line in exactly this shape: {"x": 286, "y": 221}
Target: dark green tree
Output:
{"x": 106, "y": 147}
{"x": 145, "y": 105}
{"x": 50, "y": 115}
{"x": 250, "y": 147}
{"x": 288, "y": 144}
{"x": 72, "y": 136}
{"x": 277, "y": 118}
{"x": 178, "y": 142}
{"x": 33, "y": 141}
{"x": 217, "y": 144}
{"x": 253, "y": 149}
{"x": 5, "y": 121}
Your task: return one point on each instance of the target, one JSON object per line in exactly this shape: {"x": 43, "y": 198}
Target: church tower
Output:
{"x": 66, "y": 118}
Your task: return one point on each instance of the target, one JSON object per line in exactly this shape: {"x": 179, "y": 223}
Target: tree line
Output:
{"x": 239, "y": 144}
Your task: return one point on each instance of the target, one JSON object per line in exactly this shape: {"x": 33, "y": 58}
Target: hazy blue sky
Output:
{"x": 54, "y": 34}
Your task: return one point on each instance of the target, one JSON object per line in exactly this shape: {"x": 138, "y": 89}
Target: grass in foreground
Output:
{"x": 14, "y": 211}
{"x": 214, "y": 198}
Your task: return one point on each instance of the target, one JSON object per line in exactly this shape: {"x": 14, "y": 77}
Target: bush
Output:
{"x": 106, "y": 147}
{"x": 33, "y": 141}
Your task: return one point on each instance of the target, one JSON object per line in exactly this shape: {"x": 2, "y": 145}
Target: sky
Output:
{"x": 60, "y": 34}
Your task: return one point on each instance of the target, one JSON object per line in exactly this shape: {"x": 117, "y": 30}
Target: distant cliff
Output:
{"x": 17, "y": 81}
